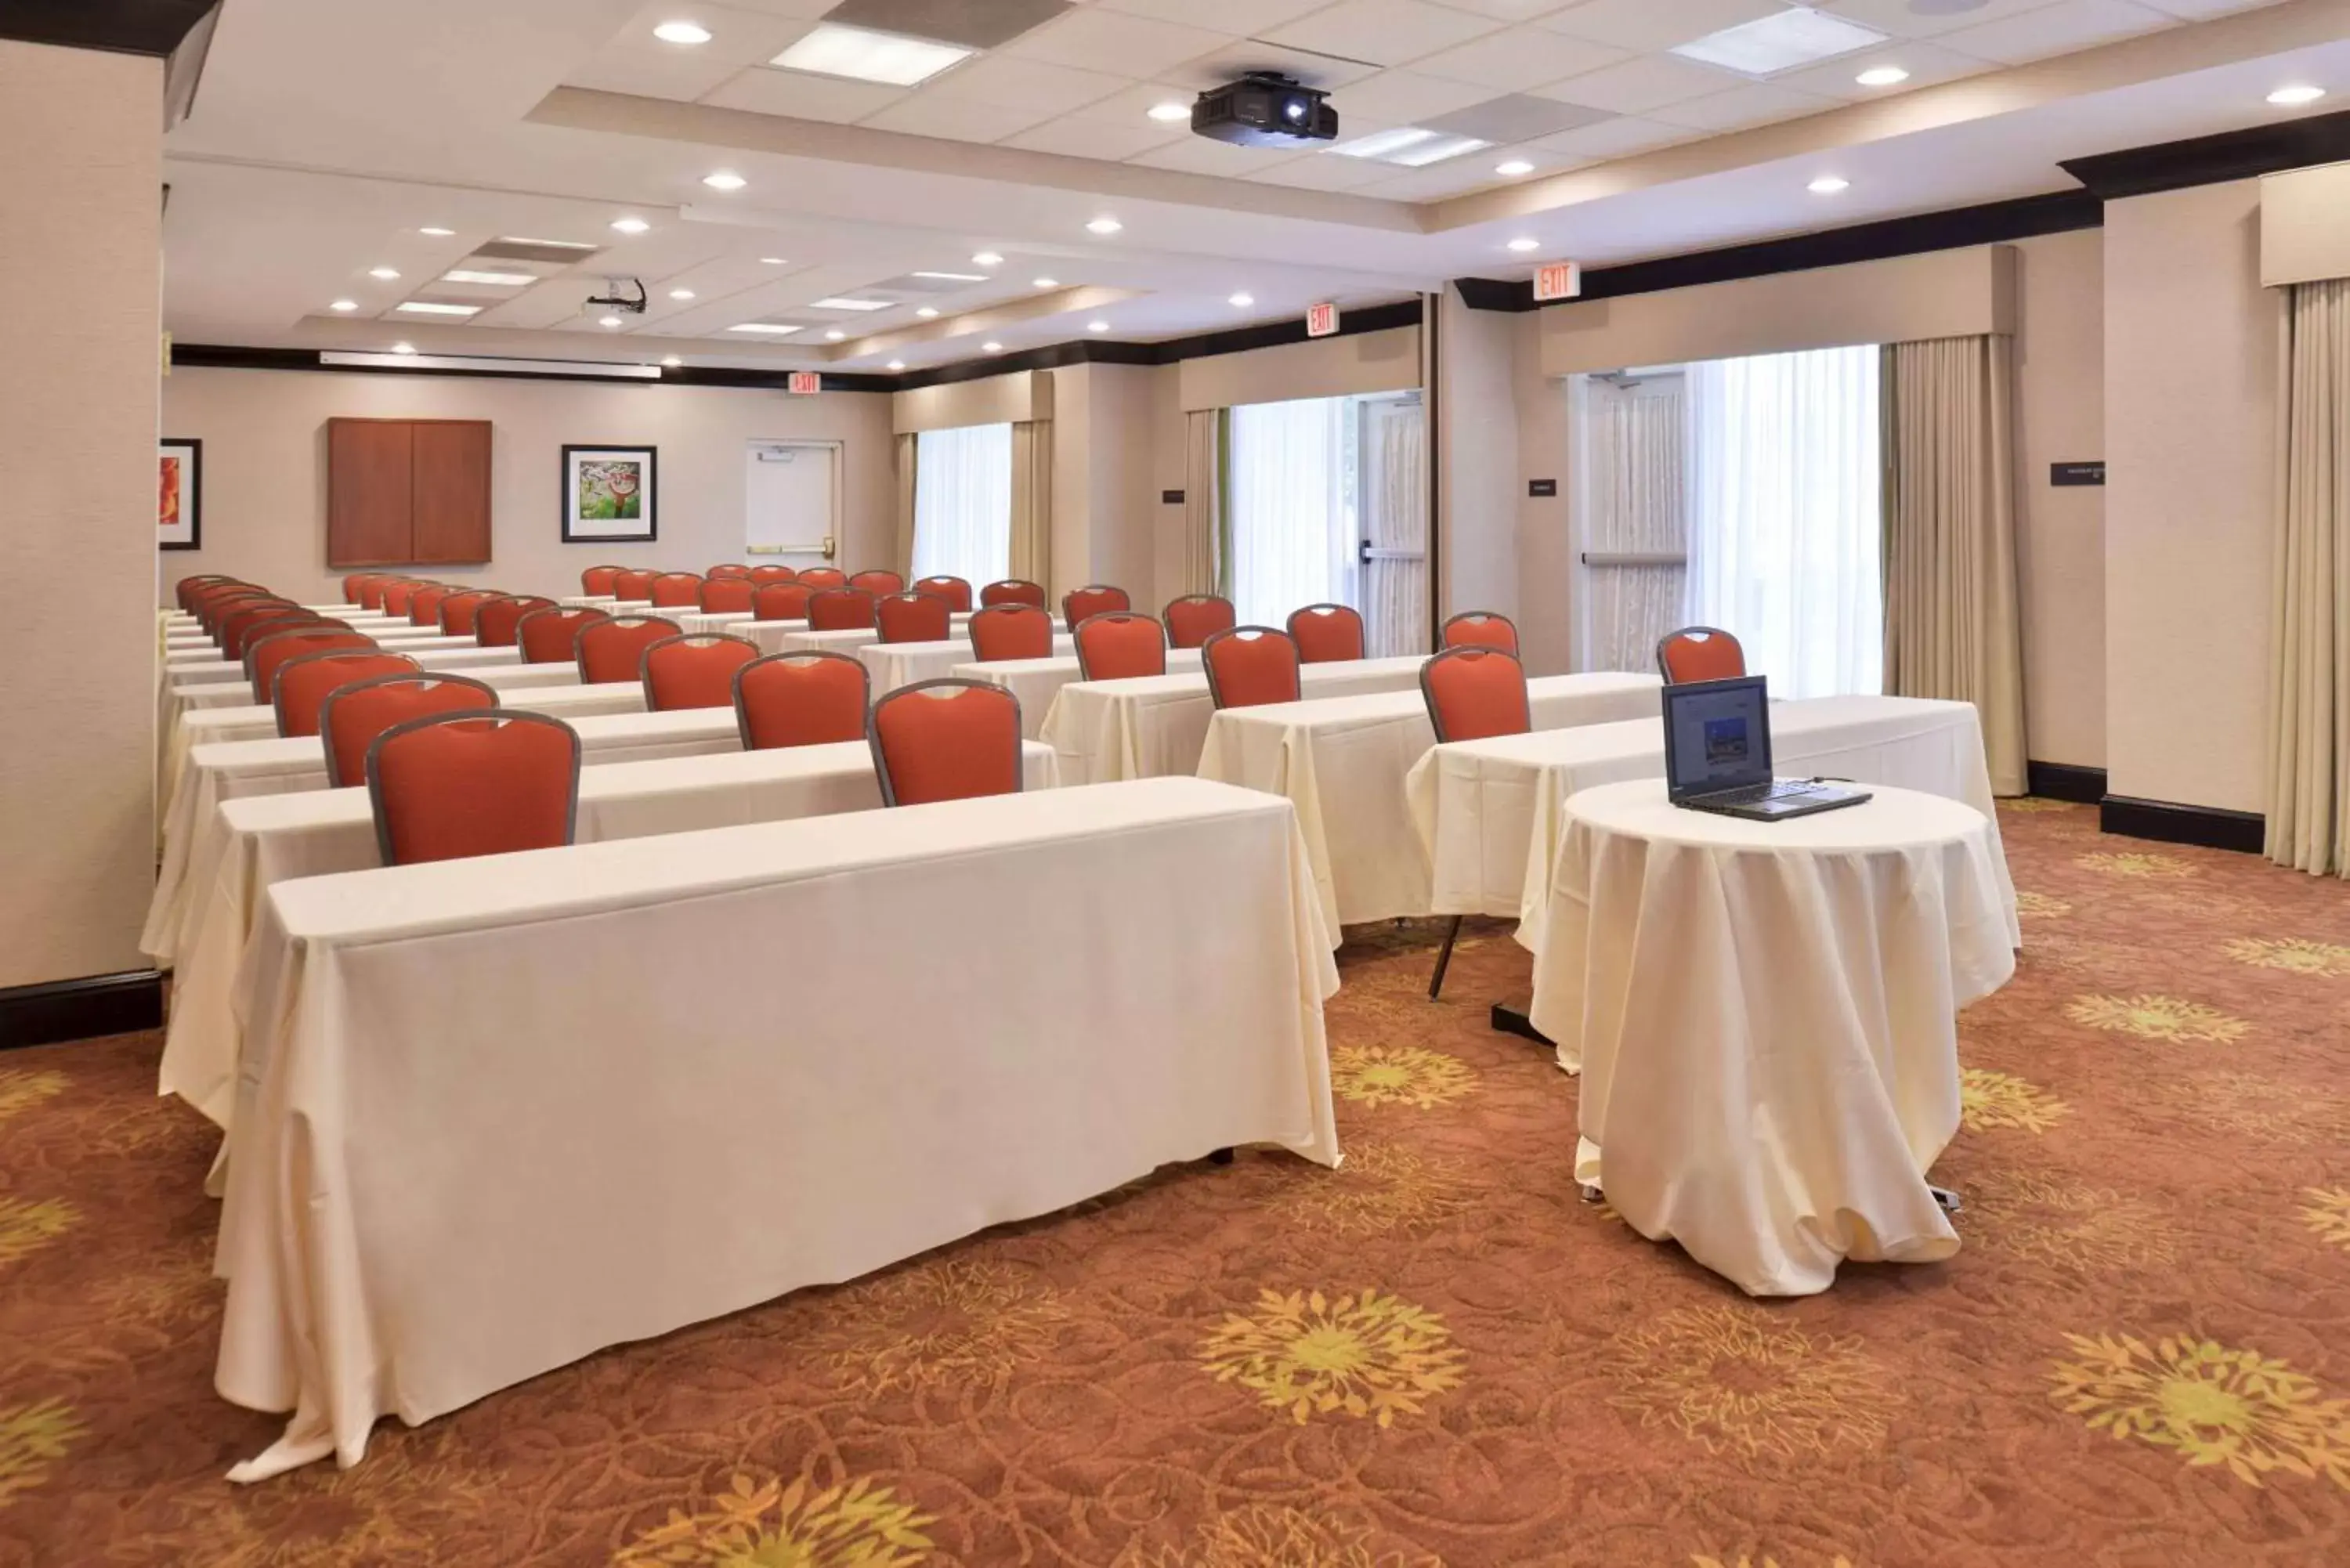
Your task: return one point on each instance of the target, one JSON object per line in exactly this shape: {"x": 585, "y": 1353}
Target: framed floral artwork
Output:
{"x": 180, "y": 502}
{"x": 610, "y": 495}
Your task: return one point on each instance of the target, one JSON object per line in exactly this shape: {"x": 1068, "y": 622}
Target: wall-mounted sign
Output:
{"x": 805, "y": 383}
{"x": 1557, "y": 280}
{"x": 2077, "y": 474}
{"x": 1170, "y": 497}
{"x": 1540, "y": 487}
{"x": 1321, "y": 320}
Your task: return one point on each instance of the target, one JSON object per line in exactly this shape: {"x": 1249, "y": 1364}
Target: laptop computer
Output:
{"x": 1718, "y": 755}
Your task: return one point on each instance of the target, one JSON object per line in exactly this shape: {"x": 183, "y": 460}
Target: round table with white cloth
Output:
{"x": 1765, "y": 1014}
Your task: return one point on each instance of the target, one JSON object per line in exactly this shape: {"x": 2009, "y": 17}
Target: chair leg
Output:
{"x": 1444, "y": 959}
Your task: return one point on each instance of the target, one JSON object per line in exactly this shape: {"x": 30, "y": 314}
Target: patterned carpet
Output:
{"x": 1438, "y": 1355}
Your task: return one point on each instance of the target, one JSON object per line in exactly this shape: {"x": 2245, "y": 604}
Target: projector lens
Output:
{"x": 1293, "y": 109}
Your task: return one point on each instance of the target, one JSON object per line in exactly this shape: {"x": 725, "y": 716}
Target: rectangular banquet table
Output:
{"x": 1489, "y": 813}
{"x": 210, "y": 660}
{"x": 1037, "y": 681}
{"x": 770, "y": 635}
{"x": 1156, "y": 724}
{"x": 896, "y": 664}
{"x": 428, "y": 1202}
{"x": 272, "y": 838}
{"x": 1343, "y": 760}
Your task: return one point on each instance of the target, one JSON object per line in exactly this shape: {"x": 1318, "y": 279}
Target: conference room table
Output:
{"x": 271, "y": 838}
{"x": 896, "y": 664}
{"x": 423, "y": 1202}
{"x": 609, "y": 604}
{"x": 208, "y": 661}
{"x": 769, "y": 634}
{"x": 1037, "y": 681}
{"x": 1489, "y": 815}
{"x": 1342, "y": 762}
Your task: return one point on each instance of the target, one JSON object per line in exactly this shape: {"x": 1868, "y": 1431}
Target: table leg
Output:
{"x": 1510, "y": 1021}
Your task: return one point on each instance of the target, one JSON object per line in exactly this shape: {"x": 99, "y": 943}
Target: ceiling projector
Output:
{"x": 1264, "y": 108}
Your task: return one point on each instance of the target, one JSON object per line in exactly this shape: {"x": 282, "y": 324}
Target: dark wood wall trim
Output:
{"x": 2214, "y": 159}
{"x": 121, "y": 26}
{"x": 228, "y": 357}
{"x": 2206, "y": 826}
{"x": 80, "y": 1009}
{"x": 2065, "y": 780}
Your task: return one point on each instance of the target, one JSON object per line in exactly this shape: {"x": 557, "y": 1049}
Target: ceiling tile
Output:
{"x": 1239, "y": 17}
{"x": 1123, "y": 46}
{"x": 987, "y": 27}
{"x": 1401, "y": 98}
{"x": 1322, "y": 171}
{"x": 1199, "y": 155}
{"x": 637, "y": 62}
{"x": 1323, "y": 71}
{"x": 1388, "y": 32}
{"x": 1090, "y": 136}
{"x": 1449, "y": 178}
{"x": 1135, "y": 103}
{"x": 804, "y": 97}
{"x": 1508, "y": 10}
{"x": 1516, "y": 58}
{"x": 1646, "y": 25}
{"x": 1042, "y": 90}
{"x": 1641, "y": 84}
{"x": 1926, "y": 63}
{"x": 803, "y": 10}
{"x": 1894, "y": 16}
{"x": 1614, "y": 139}
{"x": 957, "y": 118}
{"x": 1515, "y": 117}
{"x": 1756, "y": 103}
{"x": 2197, "y": 10}
{"x": 2057, "y": 29}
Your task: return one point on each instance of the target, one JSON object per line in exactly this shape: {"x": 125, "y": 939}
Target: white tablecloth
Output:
{"x": 1156, "y": 724}
{"x": 210, "y": 660}
{"x": 1037, "y": 681}
{"x": 606, "y": 603}
{"x": 1488, "y": 813}
{"x": 428, "y": 1202}
{"x": 770, "y": 635}
{"x": 268, "y": 839}
{"x": 1765, "y": 1016}
{"x": 1342, "y": 762}
{"x": 896, "y": 664}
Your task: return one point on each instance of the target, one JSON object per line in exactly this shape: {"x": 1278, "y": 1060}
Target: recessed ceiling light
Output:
{"x": 1525, "y": 243}
{"x": 1104, "y": 226}
{"x": 343, "y": 304}
{"x": 1882, "y": 75}
{"x": 993, "y": 348}
{"x": 927, "y": 312}
{"x": 672, "y": 361}
{"x": 953, "y": 276}
{"x": 495, "y": 279}
{"x": 1096, "y": 326}
{"x": 385, "y": 273}
{"x": 1047, "y": 282}
{"x": 835, "y": 336}
{"x": 1408, "y": 146}
{"x": 771, "y": 261}
{"x": 897, "y": 364}
{"x": 680, "y": 293}
{"x": 841, "y": 302}
{"x": 609, "y": 321}
{"x": 1779, "y": 42}
{"x": 434, "y": 308}
{"x": 438, "y": 234}
{"x": 1170, "y": 111}
{"x": 773, "y": 328}
{"x": 681, "y": 32}
{"x": 865, "y": 56}
{"x": 724, "y": 179}
{"x": 1243, "y": 300}
{"x": 987, "y": 258}
{"x": 1513, "y": 166}
{"x": 1828, "y": 185}
{"x": 631, "y": 226}
{"x": 2294, "y": 97}
{"x": 404, "y": 347}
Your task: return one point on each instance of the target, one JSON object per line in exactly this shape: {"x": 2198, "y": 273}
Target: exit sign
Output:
{"x": 1321, "y": 320}
{"x": 805, "y": 383}
{"x": 1557, "y": 280}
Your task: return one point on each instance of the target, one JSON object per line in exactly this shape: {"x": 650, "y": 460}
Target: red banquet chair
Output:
{"x": 448, "y": 786}
{"x": 632, "y": 586}
{"x": 1327, "y": 633}
{"x": 822, "y": 577}
{"x": 1010, "y": 631}
{"x": 424, "y": 604}
{"x": 353, "y": 715}
{"x": 878, "y": 583}
{"x": 954, "y": 590}
{"x": 265, "y": 656}
{"x": 371, "y": 590}
{"x": 695, "y": 670}
{"x": 729, "y": 570}
{"x": 1473, "y": 692}
{"x": 677, "y": 590}
{"x": 1012, "y": 591}
{"x": 459, "y": 612}
{"x": 801, "y": 699}
{"x": 245, "y": 627}
{"x": 840, "y": 609}
{"x": 1480, "y": 628}
{"x": 613, "y": 649}
{"x": 184, "y": 591}
{"x": 1700, "y": 653}
{"x": 946, "y": 740}
{"x": 723, "y": 596}
{"x": 913, "y": 617}
{"x": 599, "y": 579}
{"x": 1119, "y": 645}
{"x": 763, "y": 576}
{"x": 354, "y": 583}
{"x": 304, "y": 682}
{"x": 1080, "y": 605}
{"x": 1249, "y": 666}
{"x": 784, "y": 600}
{"x": 551, "y": 636}
{"x": 397, "y": 595}
{"x": 206, "y": 593}
{"x": 496, "y": 622}
{"x": 1195, "y": 618}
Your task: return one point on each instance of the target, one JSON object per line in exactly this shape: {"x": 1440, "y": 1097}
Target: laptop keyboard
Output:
{"x": 1754, "y": 794}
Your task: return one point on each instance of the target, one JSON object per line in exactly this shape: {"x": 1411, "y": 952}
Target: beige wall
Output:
{"x": 80, "y": 246}
{"x": 2190, "y": 422}
{"x": 1122, "y": 503}
{"x": 1476, "y": 439}
{"x": 1328, "y": 367}
{"x": 1168, "y": 471}
{"x": 1545, "y": 540}
{"x": 265, "y": 481}
{"x": 2305, "y": 224}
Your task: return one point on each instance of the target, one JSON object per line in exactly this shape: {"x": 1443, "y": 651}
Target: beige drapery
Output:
{"x": 2309, "y": 681}
{"x": 1951, "y": 625}
{"x": 1205, "y": 482}
{"x": 909, "y": 451}
{"x": 1032, "y": 502}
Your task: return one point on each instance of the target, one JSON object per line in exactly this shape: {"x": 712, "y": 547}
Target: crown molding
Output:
{"x": 2214, "y": 159}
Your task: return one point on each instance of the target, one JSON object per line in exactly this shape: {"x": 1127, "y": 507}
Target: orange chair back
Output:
{"x": 352, "y": 583}
{"x": 353, "y": 715}
{"x": 245, "y": 609}
{"x": 215, "y": 605}
{"x": 1010, "y": 631}
{"x": 245, "y": 627}
{"x": 205, "y": 600}
{"x": 840, "y": 609}
{"x": 459, "y": 612}
{"x": 821, "y": 577}
{"x": 495, "y": 622}
{"x": 723, "y": 596}
{"x": 1327, "y": 633}
{"x": 913, "y": 617}
{"x": 550, "y": 635}
{"x": 398, "y": 596}
{"x": 1700, "y": 653}
{"x": 1480, "y": 628}
{"x": 954, "y": 590}
{"x": 1473, "y": 692}
{"x": 184, "y": 591}
{"x": 879, "y": 584}
{"x": 801, "y": 699}
{"x": 1195, "y": 618}
{"x": 633, "y": 587}
{"x": 765, "y": 575}
{"x": 1012, "y": 591}
{"x": 599, "y": 579}
{"x": 1081, "y": 605}
{"x": 448, "y": 786}
{"x": 677, "y": 590}
{"x": 613, "y": 649}
{"x": 946, "y": 740}
{"x": 1249, "y": 666}
{"x": 784, "y": 600}
{"x": 727, "y": 571}
{"x": 304, "y": 681}
{"x": 694, "y": 671}
{"x": 424, "y": 604}
{"x": 1119, "y": 645}
{"x": 372, "y": 591}
{"x": 265, "y": 656}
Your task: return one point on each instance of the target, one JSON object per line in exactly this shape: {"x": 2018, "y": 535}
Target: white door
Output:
{"x": 791, "y": 501}
{"x": 1392, "y": 487}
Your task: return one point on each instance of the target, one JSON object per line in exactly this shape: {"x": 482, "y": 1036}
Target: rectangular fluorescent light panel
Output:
{"x": 955, "y": 276}
{"x": 434, "y": 308}
{"x": 1408, "y": 146}
{"x": 838, "y": 302}
{"x": 773, "y": 328}
{"x": 550, "y": 244}
{"x": 501, "y": 279}
{"x": 1779, "y": 42}
{"x": 860, "y": 55}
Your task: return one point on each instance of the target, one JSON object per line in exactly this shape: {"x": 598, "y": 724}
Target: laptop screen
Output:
{"x": 1716, "y": 736}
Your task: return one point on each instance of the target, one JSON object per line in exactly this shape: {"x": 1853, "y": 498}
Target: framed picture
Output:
{"x": 610, "y": 495}
{"x": 180, "y": 502}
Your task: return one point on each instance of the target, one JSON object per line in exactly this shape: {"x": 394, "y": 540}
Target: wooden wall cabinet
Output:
{"x": 408, "y": 493}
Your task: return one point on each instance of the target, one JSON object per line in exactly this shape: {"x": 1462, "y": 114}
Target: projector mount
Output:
{"x": 616, "y": 300}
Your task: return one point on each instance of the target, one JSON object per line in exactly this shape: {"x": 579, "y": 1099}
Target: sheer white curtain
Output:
{"x": 1292, "y": 534}
{"x": 1634, "y": 499}
{"x": 963, "y": 503}
{"x": 1784, "y": 521}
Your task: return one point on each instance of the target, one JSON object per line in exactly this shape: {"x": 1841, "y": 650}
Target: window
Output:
{"x": 963, "y": 503}
{"x": 1292, "y": 520}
